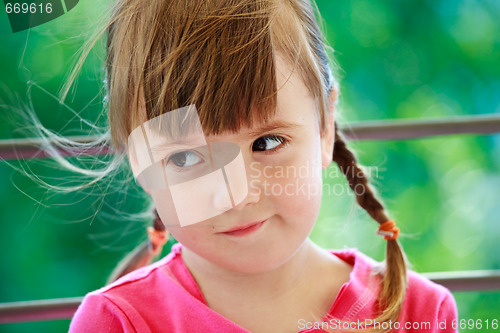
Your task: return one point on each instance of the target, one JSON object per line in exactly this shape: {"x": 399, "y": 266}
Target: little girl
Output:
{"x": 221, "y": 105}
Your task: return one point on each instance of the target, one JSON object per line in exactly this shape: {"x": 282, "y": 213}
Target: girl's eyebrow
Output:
{"x": 178, "y": 143}
{"x": 273, "y": 126}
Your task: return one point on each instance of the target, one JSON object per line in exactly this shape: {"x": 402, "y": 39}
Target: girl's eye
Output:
{"x": 268, "y": 142}
{"x": 185, "y": 159}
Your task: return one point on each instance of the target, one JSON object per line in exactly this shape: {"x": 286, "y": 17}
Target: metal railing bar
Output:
{"x": 50, "y": 309}
{"x": 64, "y": 308}
{"x": 366, "y": 130}
{"x": 467, "y": 280}
{"x": 414, "y": 129}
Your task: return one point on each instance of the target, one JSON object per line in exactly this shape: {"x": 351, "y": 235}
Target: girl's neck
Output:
{"x": 220, "y": 283}
{"x": 273, "y": 301}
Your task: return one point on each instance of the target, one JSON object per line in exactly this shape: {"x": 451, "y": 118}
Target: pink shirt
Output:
{"x": 163, "y": 297}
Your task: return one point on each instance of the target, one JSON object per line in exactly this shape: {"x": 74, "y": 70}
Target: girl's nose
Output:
{"x": 238, "y": 179}
{"x": 245, "y": 192}
{"x": 222, "y": 200}
{"x": 252, "y": 197}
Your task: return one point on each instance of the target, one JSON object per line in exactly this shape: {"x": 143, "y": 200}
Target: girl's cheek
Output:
{"x": 297, "y": 188}
{"x": 165, "y": 206}
{"x": 186, "y": 235}
{"x": 306, "y": 183}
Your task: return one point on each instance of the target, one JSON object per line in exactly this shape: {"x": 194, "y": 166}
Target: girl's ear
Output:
{"x": 328, "y": 134}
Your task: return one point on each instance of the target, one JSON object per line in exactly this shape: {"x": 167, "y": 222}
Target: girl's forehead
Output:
{"x": 245, "y": 133}
{"x": 296, "y": 111}
{"x": 293, "y": 102}
{"x": 291, "y": 94}
{"x": 295, "y": 108}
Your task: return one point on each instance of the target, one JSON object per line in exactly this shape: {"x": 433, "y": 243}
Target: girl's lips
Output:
{"x": 245, "y": 230}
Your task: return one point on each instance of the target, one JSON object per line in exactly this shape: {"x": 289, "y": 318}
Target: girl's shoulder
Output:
{"x": 425, "y": 301}
{"x": 160, "y": 297}
{"x": 365, "y": 270}
{"x": 168, "y": 272}
{"x": 428, "y": 300}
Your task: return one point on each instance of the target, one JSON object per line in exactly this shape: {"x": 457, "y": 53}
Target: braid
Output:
{"x": 348, "y": 164}
{"x": 144, "y": 253}
{"x": 394, "y": 280}
{"x": 346, "y": 160}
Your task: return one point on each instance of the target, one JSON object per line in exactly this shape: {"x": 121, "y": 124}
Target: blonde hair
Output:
{"x": 218, "y": 55}
{"x": 221, "y": 56}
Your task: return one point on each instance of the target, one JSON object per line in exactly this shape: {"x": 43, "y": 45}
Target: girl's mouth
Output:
{"x": 244, "y": 230}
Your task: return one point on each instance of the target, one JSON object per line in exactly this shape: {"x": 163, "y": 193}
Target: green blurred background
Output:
{"x": 414, "y": 59}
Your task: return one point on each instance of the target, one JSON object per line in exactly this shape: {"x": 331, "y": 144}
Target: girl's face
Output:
{"x": 283, "y": 160}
